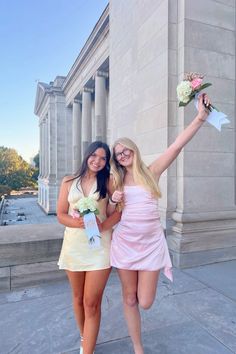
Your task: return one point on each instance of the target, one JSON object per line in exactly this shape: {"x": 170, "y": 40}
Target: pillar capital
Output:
{"x": 100, "y": 73}
{"x": 77, "y": 101}
{"x": 87, "y": 89}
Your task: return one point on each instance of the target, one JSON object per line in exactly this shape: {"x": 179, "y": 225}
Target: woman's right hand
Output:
{"x": 80, "y": 222}
{"x": 117, "y": 197}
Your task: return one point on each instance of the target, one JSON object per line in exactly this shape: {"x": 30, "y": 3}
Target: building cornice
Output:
{"x": 100, "y": 30}
{"x": 43, "y": 91}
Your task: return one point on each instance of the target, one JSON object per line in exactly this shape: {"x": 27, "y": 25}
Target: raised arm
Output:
{"x": 63, "y": 206}
{"x": 159, "y": 165}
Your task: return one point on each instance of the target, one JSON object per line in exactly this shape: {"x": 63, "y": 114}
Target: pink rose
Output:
{"x": 75, "y": 214}
{"x": 196, "y": 83}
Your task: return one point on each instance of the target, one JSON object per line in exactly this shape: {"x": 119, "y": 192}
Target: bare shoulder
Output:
{"x": 67, "y": 179}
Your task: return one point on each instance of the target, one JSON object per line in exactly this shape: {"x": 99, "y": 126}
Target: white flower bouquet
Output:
{"x": 189, "y": 89}
{"x": 87, "y": 207}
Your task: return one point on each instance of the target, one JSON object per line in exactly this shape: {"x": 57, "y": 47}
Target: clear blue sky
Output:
{"x": 39, "y": 40}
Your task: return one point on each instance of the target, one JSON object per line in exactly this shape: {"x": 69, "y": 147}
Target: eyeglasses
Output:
{"x": 126, "y": 152}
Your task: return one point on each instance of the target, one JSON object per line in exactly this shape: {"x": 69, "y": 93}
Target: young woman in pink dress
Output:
{"x": 139, "y": 249}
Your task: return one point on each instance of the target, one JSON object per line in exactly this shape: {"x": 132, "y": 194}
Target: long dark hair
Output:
{"x": 103, "y": 175}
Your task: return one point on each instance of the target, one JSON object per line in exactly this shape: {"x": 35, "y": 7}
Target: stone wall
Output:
{"x": 151, "y": 46}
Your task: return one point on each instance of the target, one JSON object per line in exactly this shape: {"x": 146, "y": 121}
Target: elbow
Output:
{"x": 59, "y": 218}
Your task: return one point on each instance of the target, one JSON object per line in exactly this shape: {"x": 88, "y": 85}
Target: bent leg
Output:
{"x": 95, "y": 282}
{"x": 129, "y": 282}
{"x": 76, "y": 280}
{"x": 147, "y": 287}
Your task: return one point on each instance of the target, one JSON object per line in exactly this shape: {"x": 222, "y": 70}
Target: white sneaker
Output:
{"x": 81, "y": 342}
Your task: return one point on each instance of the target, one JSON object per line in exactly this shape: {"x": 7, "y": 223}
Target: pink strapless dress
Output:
{"x": 138, "y": 241}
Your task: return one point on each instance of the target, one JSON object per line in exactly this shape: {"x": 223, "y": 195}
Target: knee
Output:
{"x": 130, "y": 299}
{"x": 91, "y": 306}
{"x": 145, "y": 304}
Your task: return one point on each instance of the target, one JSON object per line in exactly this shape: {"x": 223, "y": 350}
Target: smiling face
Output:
{"x": 123, "y": 155}
{"x": 97, "y": 160}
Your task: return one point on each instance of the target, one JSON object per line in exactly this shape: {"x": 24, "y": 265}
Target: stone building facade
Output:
{"x": 123, "y": 83}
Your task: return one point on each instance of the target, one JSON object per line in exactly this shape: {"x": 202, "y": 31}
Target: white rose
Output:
{"x": 86, "y": 203}
{"x": 184, "y": 90}
{"x": 91, "y": 204}
{"x": 81, "y": 205}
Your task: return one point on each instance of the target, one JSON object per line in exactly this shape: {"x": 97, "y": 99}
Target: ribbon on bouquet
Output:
{"x": 92, "y": 231}
{"x": 215, "y": 118}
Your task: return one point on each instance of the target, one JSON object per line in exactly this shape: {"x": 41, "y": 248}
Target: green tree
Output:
{"x": 36, "y": 160}
{"x": 4, "y": 190}
{"x": 15, "y": 172}
{"x": 36, "y": 169}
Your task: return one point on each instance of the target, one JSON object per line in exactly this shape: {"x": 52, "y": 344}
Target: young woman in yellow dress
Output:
{"x": 87, "y": 269}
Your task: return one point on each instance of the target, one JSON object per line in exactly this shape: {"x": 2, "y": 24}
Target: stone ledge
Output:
{"x": 30, "y": 232}
{"x": 29, "y": 275}
{"x": 29, "y": 254}
{"x": 193, "y": 259}
{"x": 34, "y": 274}
{"x": 29, "y": 244}
{"x": 5, "y": 281}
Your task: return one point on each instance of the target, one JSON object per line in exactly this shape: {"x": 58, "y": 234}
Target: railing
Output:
{"x": 2, "y": 203}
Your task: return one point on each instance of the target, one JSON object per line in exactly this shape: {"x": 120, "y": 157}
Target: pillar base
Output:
{"x": 47, "y": 196}
{"x": 196, "y": 241}
{"x": 194, "y": 259}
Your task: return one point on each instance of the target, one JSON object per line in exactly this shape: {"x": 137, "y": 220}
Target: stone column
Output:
{"x": 40, "y": 192}
{"x": 43, "y": 147}
{"x": 100, "y": 105}
{"x": 47, "y": 147}
{"x": 86, "y": 129}
{"x": 205, "y": 213}
{"x": 40, "y": 147}
{"x": 76, "y": 135}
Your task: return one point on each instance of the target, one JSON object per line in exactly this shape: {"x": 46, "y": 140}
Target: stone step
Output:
{"x": 27, "y": 244}
{"x": 21, "y": 276}
{"x": 29, "y": 254}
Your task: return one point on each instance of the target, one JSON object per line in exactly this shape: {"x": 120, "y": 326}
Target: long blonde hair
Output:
{"x": 142, "y": 175}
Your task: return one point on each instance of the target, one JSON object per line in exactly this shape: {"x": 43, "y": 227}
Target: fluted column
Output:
{"x": 86, "y": 129}
{"x": 100, "y": 105}
{"x": 43, "y": 147}
{"x": 76, "y": 135}
{"x": 40, "y": 148}
{"x": 46, "y": 147}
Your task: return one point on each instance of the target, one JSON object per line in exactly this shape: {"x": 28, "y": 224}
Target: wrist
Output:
{"x": 112, "y": 201}
{"x": 202, "y": 118}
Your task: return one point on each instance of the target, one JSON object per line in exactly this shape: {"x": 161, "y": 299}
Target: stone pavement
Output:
{"x": 25, "y": 210}
{"x": 197, "y": 315}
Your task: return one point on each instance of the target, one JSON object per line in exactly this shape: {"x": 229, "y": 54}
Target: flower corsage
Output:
{"x": 87, "y": 207}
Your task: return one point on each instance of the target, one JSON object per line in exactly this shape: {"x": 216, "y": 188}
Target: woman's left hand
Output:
{"x": 99, "y": 224}
{"x": 204, "y": 106}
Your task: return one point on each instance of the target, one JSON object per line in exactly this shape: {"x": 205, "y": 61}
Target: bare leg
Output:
{"x": 76, "y": 280}
{"x": 95, "y": 282}
{"x": 147, "y": 286}
{"x": 129, "y": 281}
